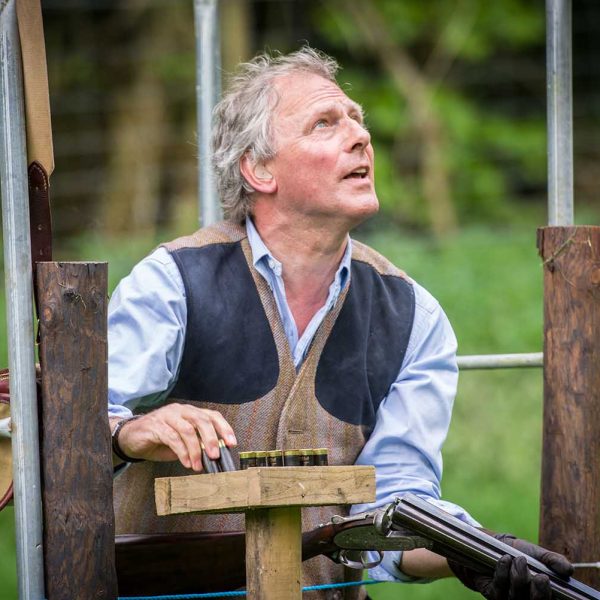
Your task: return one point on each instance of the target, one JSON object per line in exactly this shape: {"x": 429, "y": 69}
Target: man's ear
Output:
{"x": 257, "y": 175}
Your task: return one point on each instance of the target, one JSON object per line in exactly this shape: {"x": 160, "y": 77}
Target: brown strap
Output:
{"x": 39, "y": 129}
{"x": 35, "y": 82}
{"x": 39, "y": 214}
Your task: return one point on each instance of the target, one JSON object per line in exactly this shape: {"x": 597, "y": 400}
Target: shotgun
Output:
{"x": 210, "y": 562}
{"x": 203, "y": 562}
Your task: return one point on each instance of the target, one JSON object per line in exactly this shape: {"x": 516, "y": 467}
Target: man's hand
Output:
{"x": 174, "y": 432}
{"x": 512, "y": 578}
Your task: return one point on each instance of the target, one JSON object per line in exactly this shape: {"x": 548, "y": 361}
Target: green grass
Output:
{"x": 490, "y": 284}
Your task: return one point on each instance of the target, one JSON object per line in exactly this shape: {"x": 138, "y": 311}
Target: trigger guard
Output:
{"x": 364, "y": 563}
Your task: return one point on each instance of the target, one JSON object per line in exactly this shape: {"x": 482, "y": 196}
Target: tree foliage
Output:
{"x": 456, "y": 115}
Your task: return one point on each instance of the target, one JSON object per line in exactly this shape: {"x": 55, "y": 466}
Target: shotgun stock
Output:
{"x": 202, "y": 562}
{"x": 210, "y": 562}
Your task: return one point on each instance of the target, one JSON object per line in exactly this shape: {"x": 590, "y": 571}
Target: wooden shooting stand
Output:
{"x": 272, "y": 500}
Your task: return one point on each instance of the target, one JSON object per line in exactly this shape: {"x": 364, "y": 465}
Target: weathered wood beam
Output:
{"x": 237, "y": 491}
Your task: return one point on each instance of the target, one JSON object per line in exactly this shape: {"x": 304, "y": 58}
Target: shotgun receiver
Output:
{"x": 209, "y": 562}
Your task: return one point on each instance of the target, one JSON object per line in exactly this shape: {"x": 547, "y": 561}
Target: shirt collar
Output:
{"x": 261, "y": 255}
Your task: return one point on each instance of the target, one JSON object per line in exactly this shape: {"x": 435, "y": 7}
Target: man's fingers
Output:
{"x": 204, "y": 430}
{"x": 501, "y": 580}
{"x": 540, "y": 587}
{"x": 178, "y": 429}
{"x": 169, "y": 436}
{"x": 211, "y": 426}
{"x": 519, "y": 579}
{"x": 189, "y": 436}
{"x": 223, "y": 428}
{"x": 558, "y": 563}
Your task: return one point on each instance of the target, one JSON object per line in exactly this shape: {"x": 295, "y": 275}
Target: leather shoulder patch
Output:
{"x": 366, "y": 348}
{"x": 230, "y": 355}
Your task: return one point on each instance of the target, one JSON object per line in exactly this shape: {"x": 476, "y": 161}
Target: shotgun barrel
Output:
{"x": 459, "y": 541}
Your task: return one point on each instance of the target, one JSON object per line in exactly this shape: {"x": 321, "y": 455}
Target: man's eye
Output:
{"x": 359, "y": 120}
{"x": 320, "y": 124}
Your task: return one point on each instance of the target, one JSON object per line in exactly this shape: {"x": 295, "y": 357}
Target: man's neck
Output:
{"x": 310, "y": 257}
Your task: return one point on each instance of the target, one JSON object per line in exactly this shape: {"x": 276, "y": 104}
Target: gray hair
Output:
{"x": 242, "y": 120}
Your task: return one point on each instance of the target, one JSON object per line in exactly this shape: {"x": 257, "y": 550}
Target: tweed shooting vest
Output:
{"x": 237, "y": 360}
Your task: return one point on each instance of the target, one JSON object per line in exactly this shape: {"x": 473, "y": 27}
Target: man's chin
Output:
{"x": 368, "y": 208}
{"x": 365, "y": 211}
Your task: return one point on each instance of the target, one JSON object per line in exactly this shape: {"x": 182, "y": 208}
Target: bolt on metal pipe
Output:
{"x": 19, "y": 303}
{"x": 208, "y": 90}
{"x": 560, "y": 112}
{"x": 5, "y": 427}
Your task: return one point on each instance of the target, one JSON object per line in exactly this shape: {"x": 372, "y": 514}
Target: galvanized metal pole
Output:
{"x": 208, "y": 90}
{"x": 560, "y": 112}
{"x": 19, "y": 294}
{"x": 500, "y": 361}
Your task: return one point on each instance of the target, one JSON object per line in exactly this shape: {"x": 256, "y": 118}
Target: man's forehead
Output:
{"x": 308, "y": 91}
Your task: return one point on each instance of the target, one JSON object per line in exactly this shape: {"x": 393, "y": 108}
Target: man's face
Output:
{"x": 324, "y": 159}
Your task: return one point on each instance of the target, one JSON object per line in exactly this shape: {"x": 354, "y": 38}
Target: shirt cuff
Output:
{"x": 120, "y": 469}
{"x": 118, "y": 410}
{"x": 388, "y": 570}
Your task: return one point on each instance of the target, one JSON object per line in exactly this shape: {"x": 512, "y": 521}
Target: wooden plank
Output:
{"x": 265, "y": 487}
{"x": 570, "y": 498}
{"x": 274, "y": 554}
{"x": 75, "y": 437}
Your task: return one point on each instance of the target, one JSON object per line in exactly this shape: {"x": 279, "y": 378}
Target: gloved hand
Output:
{"x": 512, "y": 579}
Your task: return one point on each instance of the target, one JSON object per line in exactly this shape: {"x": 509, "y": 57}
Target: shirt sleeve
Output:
{"x": 412, "y": 422}
{"x": 147, "y": 316}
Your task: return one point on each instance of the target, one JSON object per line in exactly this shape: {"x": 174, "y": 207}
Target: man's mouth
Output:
{"x": 360, "y": 173}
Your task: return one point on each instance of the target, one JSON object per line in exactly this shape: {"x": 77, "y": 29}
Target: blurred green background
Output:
{"x": 454, "y": 93}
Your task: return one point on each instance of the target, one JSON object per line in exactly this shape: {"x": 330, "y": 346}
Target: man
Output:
{"x": 275, "y": 330}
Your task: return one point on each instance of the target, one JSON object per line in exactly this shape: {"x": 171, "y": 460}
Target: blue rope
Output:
{"x": 310, "y": 588}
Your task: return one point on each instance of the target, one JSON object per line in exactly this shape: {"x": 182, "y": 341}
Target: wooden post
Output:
{"x": 75, "y": 440}
{"x": 277, "y": 573}
{"x": 570, "y": 495}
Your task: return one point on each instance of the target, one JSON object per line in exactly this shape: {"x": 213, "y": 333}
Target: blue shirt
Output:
{"x": 146, "y": 328}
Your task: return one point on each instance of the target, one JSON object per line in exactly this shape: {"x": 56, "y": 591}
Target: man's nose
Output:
{"x": 358, "y": 136}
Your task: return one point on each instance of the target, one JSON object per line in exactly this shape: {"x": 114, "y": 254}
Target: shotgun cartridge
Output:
{"x": 275, "y": 458}
{"x": 307, "y": 457}
{"x": 210, "y": 465}
{"x": 261, "y": 458}
{"x": 247, "y": 460}
{"x": 225, "y": 459}
{"x": 291, "y": 458}
{"x": 321, "y": 457}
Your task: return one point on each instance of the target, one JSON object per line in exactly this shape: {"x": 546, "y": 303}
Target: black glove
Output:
{"x": 512, "y": 579}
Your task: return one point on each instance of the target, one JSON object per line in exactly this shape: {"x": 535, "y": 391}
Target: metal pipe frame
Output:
{"x": 208, "y": 90}
{"x": 500, "y": 361}
{"x": 19, "y": 302}
{"x": 560, "y": 112}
